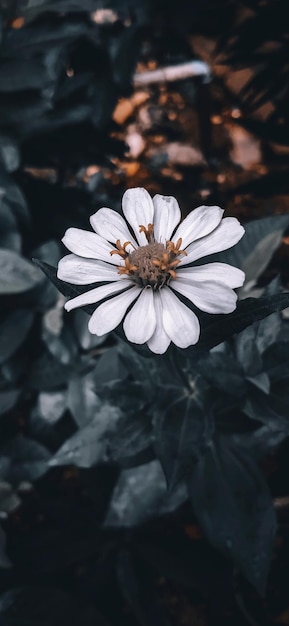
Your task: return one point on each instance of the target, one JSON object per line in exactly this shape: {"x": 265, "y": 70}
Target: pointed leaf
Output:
{"x": 271, "y": 409}
{"x": 82, "y": 399}
{"x": 28, "y": 459}
{"x": 17, "y": 275}
{"x": 247, "y": 352}
{"x": 131, "y": 443}
{"x": 254, "y": 251}
{"x": 8, "y": 399}
{"x": 222, "y": 327}
{"x": 89, "y": 445}
{"x": 233, "y": 505}
{"x": 180, "y": 433}
{"x": 140, "y": 495}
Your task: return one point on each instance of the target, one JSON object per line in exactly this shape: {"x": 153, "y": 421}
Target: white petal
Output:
{"x": 140, "y": 322}
{"x": 218, "y": 272}
{"x": 79, "y": 271}
{"x": 180, "y": 323}
{"x": 160, "y": 341}
{"x": 228, "y": 233}
{"x": 99, "y": 293}
{"x": 110, "y": 225}
{"x": 167, "y": 216}
{"x": 110, "y": 313}
{"x": 138, "y": 209}
{"x": 199, "y": 223}
{"x": 90, "y": 245}
{"x": 207, "y": 296}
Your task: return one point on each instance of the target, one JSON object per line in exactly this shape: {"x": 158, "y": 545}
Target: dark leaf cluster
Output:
{"x": 206, "y": 421}
{"x": 106, "y": 453}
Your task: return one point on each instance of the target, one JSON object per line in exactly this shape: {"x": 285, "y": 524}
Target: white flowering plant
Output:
{"x": 149, "y": 266}
{"x": 185, "y": 399}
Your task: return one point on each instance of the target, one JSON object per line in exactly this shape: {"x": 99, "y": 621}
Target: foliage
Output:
{"x": 103, "y": 447}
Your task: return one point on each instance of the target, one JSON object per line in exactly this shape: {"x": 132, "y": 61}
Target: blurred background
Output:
{"x": 88, "y": 108}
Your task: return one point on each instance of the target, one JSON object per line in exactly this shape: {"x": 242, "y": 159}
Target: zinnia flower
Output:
{"x": 143, "y": 262}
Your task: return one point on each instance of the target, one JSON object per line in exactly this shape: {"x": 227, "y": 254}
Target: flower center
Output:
{"x": 153, "y": 264}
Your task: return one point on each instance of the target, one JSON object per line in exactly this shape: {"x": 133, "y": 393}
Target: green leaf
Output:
{"x": 17, "y": 275}
{"x": 233, "y": 505}
{"x": 216, "y": 329}
{"x": 140, "y": 495}
{"x": 261, "y": 441}
{"x": 223, "y": 372}
{"x": 131, "y": 443}
{"x": 271, "y": 409}
{"x": 89, "y": 445}
{"x": 247, "y": 352}
{"x": 180, "y": 433}
{"x": 82, "y": 399}
{"x": 8, "y": 399}
{"x": 27, "y": 458}
{"x": 253, "y": 253}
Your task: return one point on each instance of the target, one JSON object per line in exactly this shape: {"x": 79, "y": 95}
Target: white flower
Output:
{"x": 143, "y": 261}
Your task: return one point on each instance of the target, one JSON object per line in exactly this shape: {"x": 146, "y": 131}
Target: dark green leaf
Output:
{"x": 276, "y": 361}
{"x": 8, "y": 399}
{"x": 223, "y": 372}
{"x": 16, "y": 273}
{"x": 131, "y": 444}
{"x": 90, "y": 444}
{"x": 14, "y": 197}
{"x": 180, "y": 434}
{"x": 271, "y": 409}
{"x": 140, "y": 495}
{"x": 248, "y": 311}
{"x": 9, "y": 153}
{"x": 247, "y": 352}
{"x": 13, "y": 331}
{"x": 252, "y": 254}
{"x": 47, "y": 373}
{"x": 51, "y": 405}
{"x": 28, "y": 459}
{"x": 109, "y": 368}
{"x": 233, "y": 505}
{"x": 267, "y": 331}
{"x": 82, "y": 400}
{"x": 261, "y": 381}
{"x": 261, "y": 441}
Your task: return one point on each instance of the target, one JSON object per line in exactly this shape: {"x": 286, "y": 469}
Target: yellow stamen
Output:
{"x": 147, "y": 231}
{"x": 129, "y": 268}
{"x": 175, "y": 248}
{"x": 165, "y": 264}
{"x": 121, "y": 250}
